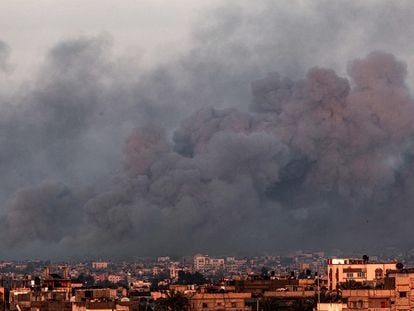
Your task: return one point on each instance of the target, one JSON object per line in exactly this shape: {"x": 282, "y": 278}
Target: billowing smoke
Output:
{"x": 239, "y": 146}
{"x": 316, "y": 157}
{"x": 43, "y": 212}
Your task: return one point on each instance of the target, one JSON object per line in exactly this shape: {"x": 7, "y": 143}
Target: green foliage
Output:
{"x": 175, "y": 301}
{"x": 86, "y": 279}
{"x": 191, "y": 278}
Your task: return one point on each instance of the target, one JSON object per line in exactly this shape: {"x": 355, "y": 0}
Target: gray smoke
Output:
{"x": 241, "y": 145}
{"x": 4, "y": 57}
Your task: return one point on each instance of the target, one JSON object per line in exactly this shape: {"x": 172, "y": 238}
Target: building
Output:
{"x": 107, "y": 294}
{"x": 337, "y": 306}
{"x": 359, "y": 270}
{"x": 259, "y": 286}
{"x": 204, "y": 262}
{"x": 163, "y": 259}
{"x": 115, "y": 278}
{"x": 174, "y": 270}
{"x": 105, "y": 306}
{"x": 100, "y": 265}
{"x": 219, "y": 301}
{"x": 201, "y": 261}
{"x": 404, "y": 288}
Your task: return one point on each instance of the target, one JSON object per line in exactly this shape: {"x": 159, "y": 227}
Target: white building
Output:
{"x": 204, "y": 262}
{"x": 100, "y": 265}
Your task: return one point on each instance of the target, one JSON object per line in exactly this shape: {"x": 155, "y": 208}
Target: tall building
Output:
{"x": 204, "y": 262}
{"x": 341, "y": 270}
{"x": 100, "y": 265}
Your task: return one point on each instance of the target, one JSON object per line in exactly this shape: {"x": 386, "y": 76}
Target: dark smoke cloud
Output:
{"x": 48, "y": 211}
{"x": 316, "y": 159}
{"x": 260, "y": 137}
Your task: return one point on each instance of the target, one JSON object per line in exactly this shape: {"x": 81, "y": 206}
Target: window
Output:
{"x": 205, "y": 305}
{"x": 378, "y": 273}
{"x": 349, "y": 275}
{"x": 233, "y": 304}
{"x": 403, "y": 294}
{"x": 356, "y": 304}
{"x": 361, "y": 274}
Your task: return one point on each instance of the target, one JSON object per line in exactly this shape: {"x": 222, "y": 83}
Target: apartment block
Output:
{"x": 358, "y": 270}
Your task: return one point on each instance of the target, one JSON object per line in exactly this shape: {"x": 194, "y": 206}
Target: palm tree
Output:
{"x": 269, "y": 304}
{"x": 175, "y": 301}
{"x": 302, "y": 305}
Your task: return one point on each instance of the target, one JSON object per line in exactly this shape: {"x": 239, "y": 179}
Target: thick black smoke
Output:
{"x": 217, "y": 152}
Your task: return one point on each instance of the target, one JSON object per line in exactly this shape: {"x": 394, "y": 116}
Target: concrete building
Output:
{"x": 163, "y": 259}
{"x": 337, "y": 306}
{"x": 108, "y": 294}
{"x": 395, "y": 294}
{"x": 100, "y": 265}
{"x": 105, "y": 306}
{"x": 204, "y": 262}
{"x": 115, "y": 278}
{"x": 174, "y": 270}
{"x": 359, "y": 270}
{"x": 219, "y": 301}
{"x": 404, "y": 288}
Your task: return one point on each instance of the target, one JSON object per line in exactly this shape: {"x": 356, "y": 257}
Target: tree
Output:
{"x": 87, "y": 280}
{"x": 302, "y": 305}
{"x": 269, "y": 304}
{"x": 264, "y": 272}
{"x": 352, "y": 284}
{"x": 191, "y": 278}
{"x": 106, "y": 284}
{"x": 175, "y": 301}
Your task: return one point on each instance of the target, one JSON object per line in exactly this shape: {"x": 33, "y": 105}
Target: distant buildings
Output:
{"x": 204, "y": 262}
{"x": 115, "y": 278}
{"x": 286, "y": 283}
{"x": 100, "y": 264}
{"x": 163, "y": 259}
{"x": 219, "y": 301}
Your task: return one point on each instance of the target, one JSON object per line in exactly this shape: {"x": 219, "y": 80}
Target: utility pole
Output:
{"x": 319, "y": 289}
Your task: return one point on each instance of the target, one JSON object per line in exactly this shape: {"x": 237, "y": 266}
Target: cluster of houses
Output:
{"x": 345, "y": 284}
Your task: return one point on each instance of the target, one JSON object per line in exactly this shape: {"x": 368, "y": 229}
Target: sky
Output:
{"x": 137, "y": 128}
{"x": 141, "y": 27}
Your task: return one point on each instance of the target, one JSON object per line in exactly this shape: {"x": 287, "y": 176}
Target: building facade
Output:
{"x": 342, "y": 270}
{"x": 204, "y": 262}
{"x": 219, "y": 301}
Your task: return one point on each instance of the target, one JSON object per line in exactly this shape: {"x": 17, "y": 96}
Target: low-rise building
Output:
{"x": 100, "y": 265}
{"x": 219, "y": 301}
{"x": 204, "y": 262}
{"x": 358, "y": 270}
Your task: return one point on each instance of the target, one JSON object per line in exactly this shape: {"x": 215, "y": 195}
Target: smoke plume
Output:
{"x": 278, "y": 129}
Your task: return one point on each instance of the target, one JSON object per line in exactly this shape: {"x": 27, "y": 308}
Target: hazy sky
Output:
{"x": 141, "y": 27}
{"x": 152, "y": 31}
